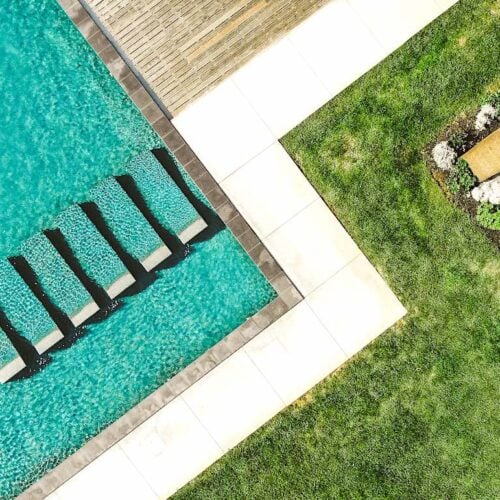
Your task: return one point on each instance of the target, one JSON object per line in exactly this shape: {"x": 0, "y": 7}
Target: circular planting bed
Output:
{"x": 465, "y": 161}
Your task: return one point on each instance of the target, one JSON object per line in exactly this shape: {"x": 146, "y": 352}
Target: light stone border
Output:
{"x": 48, "y": 341}
{"x": 11, "y": 369}
{"x": 125, "y": 281}
{"x": 86, "y": 312}
{"x": 192, "y": 230}
{"x": 288, "y": 295}
{"x": 156, "y": 257}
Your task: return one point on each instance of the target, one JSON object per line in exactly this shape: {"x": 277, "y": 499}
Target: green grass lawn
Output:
{"x": 415, "y": 415}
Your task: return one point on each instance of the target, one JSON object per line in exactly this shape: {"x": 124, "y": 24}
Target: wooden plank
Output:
{"x": 484, "y": 158}
{"x": 183, "y": 48}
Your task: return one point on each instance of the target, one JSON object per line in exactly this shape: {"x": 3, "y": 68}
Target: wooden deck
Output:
{"x": 185, "y": 47}
{"x": 484, "y": 158}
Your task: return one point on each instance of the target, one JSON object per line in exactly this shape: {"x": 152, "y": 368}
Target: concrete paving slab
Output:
{"x": 312, "y": 246}
{"x": 111, "y": 476}
{"x": 337, "y": 45}
{"x": 54, "y": 496}
{"x": 233, "y": 400}
{"x": 395, "y": 21}
{"x": 445, "y": 4}
{"x": 170, "y": 448}
{"x": 273, "y": 80}
{"x": 269, "y": 190}
{"x": 295, "y": 353}
{"x": 223, "y": 130}
{"x": 356, "y": 305}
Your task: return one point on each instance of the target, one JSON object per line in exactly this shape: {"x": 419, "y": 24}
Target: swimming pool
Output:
{"x": 65, "y": 125}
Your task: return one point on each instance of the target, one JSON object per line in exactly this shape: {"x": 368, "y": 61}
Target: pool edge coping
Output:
{"x": 288, "y": 295}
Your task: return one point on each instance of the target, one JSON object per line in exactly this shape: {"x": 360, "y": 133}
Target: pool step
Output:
{"x": 11, "y": 362}
{"x": 24, "y": 311}
{"x": 92, "y": 253}
{"x": 128, "y": 225}
{"x": 57, "y": 280}
{"x": 95, "y": 255}
{"x": 164, "y": 198}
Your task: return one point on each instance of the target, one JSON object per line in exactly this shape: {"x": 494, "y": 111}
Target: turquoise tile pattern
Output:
{"x": 55, "y": 277}
{"x": 66, "y": 123}
{"x": 124, "y": 219}
{"x": 22, "y": 308}
{"x": 97, "y": 258}
{"x": 161, "y": 194}
{"x": 7, "y": 351}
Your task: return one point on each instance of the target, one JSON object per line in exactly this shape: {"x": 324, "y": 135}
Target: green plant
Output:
{"x": 457, "y": 140}
{"x": 461, "y": 178}
{"x": 488, "y": 215}
{"x": 494, "y": 100}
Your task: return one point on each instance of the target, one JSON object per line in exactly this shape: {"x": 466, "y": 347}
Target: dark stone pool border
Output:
{"x": 288, "y": 295}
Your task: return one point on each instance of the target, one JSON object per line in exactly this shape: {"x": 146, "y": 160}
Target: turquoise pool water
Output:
{"x": 65, "y": 124}
{"x": 92, "y": 251}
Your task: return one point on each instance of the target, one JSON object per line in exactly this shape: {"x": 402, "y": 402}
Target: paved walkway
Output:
{"x": 234, "y": 130}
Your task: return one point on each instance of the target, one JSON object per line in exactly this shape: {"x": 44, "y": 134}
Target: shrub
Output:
{"x": 485, "y": 117}
{"x": 461, "y": 178}
{"x": 457, "y": 140}
{"x": 444, "y": 155}
{"x": 488, "y": 215}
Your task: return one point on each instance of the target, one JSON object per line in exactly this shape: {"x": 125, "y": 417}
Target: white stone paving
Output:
{"x": 393, "y": 22}
{"x": 274, "y": 98}
{"x": 339, "y": 26}
{"x": 226, "y": 129}
{"x": 174, "y": 445}
{"x": 234, "y": 130}
{"x": 295, "y": 353}
{"x": 111, "y": 476}
{"x": 229, "y": 413}
{"x": 312, "y": 246}
{"x": 273, "y": 183}
{"x": 355, "y": 305}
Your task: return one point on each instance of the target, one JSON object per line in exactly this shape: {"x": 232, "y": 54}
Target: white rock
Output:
{"x": 444, "y": 155}
{"x": 486, "y": 115}
{"x": 488, "y": 191}
{"x": 477, "y": 194}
